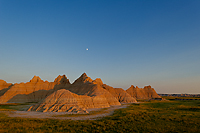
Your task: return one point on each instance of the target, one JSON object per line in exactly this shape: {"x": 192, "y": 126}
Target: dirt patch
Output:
{"x": 61, "y": 115}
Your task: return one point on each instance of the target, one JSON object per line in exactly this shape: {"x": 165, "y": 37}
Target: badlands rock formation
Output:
{"x": 121, "y": 95}
{"x": 84, "y": 85}
{"x": 4, "y": 86}
{"x": 62, "y": 96}
{"x": 33, "y": 91}
{"x": 63, "y": 101}
{"x": 84, "y": 93}
{"x": 142, "y": 93}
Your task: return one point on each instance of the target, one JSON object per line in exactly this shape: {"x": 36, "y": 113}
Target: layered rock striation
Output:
{"x": 63, "y": 101}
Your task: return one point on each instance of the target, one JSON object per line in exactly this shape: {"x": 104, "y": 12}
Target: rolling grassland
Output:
{"x": 152, "y": 116}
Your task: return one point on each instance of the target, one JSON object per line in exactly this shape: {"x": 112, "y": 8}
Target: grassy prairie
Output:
{"x": 154, "y": 116}
{"x": 173, "y": 98}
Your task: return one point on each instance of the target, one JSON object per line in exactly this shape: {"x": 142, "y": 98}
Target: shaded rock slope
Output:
{"x": 121, "y": 95}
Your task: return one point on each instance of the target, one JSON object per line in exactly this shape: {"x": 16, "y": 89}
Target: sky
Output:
{"x": 129, "y": 42}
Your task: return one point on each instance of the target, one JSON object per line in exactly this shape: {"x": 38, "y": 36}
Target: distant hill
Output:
{"x": 180, "y": 95}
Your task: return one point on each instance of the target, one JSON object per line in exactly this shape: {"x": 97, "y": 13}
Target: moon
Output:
{"x": 86, "y": 48}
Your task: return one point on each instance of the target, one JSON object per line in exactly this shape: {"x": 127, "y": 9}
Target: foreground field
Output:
{"x": 154, "y": 116}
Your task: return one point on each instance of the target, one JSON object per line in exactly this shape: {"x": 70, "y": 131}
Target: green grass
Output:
{"x": 154, "y": 116}
{"x": 14, "y": 106}
{"x": 173, "y": 98}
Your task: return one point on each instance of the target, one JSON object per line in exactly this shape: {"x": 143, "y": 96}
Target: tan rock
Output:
{"x": 62, "y": 96}
{"x": 121, "y": 95}
{"x": 142, "y": 93}
{"x": 98, "y": 81}
{"x": 4, "y": 86}
{"x": 36, "y": 79}
{"x": 65, "y": 101}
{"x": 83, "y": 79}
{"x": 84, "y": 85}
{"x": 61, "y": 80}
{"x": 33, "y": 91}
{"x": 150, "y": 92}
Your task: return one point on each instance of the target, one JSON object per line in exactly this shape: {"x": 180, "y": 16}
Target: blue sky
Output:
{"x": 139, "y": 42}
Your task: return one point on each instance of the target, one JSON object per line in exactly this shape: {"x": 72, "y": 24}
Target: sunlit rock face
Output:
{"x": 83, "y": 79}
{"x": 84, "y": 85}
{"x": 33, "y": 91}
{"x": 142, "y": 93}
{"x": 4, "y": 86}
